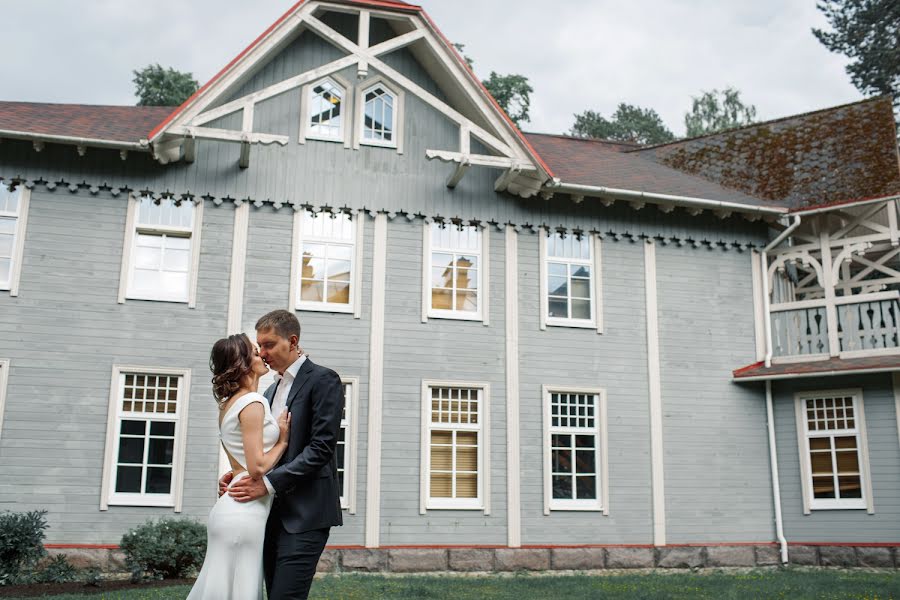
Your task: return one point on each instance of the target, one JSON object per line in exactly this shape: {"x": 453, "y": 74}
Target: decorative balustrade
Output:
{"x": 866, "y": 324}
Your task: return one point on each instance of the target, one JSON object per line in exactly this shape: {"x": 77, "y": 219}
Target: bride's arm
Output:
{"x": 258, "y": 462}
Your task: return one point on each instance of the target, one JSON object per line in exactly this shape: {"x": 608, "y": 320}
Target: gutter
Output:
{"x": 142, "y": 146}
{"x": 591, "y": 190}
{"x": 773, "y": 465}
{"x": 851, "y": 204}
{"x": 765, "y": 285}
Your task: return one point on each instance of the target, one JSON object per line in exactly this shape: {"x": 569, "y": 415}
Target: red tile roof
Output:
{"x": 109, "y": 123}
{"x": 819, "y": 368}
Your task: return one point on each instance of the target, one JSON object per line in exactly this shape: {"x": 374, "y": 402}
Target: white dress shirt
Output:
{"x": 279, "y": 403}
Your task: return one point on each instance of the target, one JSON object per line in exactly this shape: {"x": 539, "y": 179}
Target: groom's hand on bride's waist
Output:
{"x": 248, "y": 489}
{"x": 224, "y": 480}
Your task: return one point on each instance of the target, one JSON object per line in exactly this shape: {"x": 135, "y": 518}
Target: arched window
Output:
{"x": 325, "y": 111}
{"x": 379, "y": 116}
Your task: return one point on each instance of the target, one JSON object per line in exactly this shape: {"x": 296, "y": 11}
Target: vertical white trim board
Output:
{"x": 376, "y": 383}
{"x": 19, "y": 249}
{"x": 896, "y": 379}
{"x": 513, "y": 468}
{"x": 4, "y": 382}
{"x": 238, "y": 268}
{"x": 653, "y": 372}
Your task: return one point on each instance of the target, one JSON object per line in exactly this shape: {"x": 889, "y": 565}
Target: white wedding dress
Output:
{"x": 232, "y": 569}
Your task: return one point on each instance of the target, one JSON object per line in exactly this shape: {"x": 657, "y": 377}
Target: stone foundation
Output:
{"x": 585, "y": 558}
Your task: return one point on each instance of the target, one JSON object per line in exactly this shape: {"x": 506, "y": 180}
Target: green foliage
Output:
{"x": 168, "y": 548}
{"x": 58, "y": 570}
{"x": 512, "y": 93}
{"x": 461, "y": 48}
{"x": 868, "y": 33}
{"x": 628, "y": 124}
{"x": 716, "y": 111}
{"x": 21, "y": 543}
{"x": 156, "y": 86}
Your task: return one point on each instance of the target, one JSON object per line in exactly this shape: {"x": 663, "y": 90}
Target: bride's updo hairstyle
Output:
{"x": 229, "y": 361}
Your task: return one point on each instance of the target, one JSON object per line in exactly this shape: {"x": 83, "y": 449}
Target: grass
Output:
{"x": 792, "y": 584}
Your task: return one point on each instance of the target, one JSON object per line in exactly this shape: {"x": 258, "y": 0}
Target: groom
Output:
{"x": 305, "y": 482}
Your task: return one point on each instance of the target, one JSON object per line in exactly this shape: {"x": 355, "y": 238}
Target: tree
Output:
{"x": 512, "y": 92}
{"x": 156, "y": 86}
{"x": 716, "y": 111}
{"x": 867, "y": 32}
{"x": 628, "y": 124}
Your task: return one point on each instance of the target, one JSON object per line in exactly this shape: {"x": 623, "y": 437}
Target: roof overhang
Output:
{"x": 831, "y": 367}
{"x": 78, "y": 142}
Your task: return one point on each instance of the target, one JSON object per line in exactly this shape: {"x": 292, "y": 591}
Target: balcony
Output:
{"x": 852, "y": 327}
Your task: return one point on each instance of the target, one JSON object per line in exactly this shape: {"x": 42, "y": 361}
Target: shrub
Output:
{"x": 57, "y": 570}
{"x": 21, "y": 543}
{"x": 168, "y": 548}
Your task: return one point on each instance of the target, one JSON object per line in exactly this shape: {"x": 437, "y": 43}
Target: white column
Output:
{"x": 376, "y": 384}
{"x": 653, "y": 373}
{"x": 513, "y": 485}
{"x": 834, "y": 346}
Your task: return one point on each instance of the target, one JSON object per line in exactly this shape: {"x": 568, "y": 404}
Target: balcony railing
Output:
{"x": 865, "y": 325}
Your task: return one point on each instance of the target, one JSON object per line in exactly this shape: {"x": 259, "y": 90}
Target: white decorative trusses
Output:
{"x": 484, "y": 121}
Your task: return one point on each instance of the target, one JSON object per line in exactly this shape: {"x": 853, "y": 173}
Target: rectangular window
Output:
{"x": 574, "y": 449}
{"x": 454, "y": 446}
{"x": 13, "y": 215}
{"x": 833, "y": 450}
{"x": 145, "y": 441}
{"x": 325, "y": 261}
{"x": 569, "y": 265}
{"x": 346, "y": 446}
{"x": 454, "y": 271}
{"x": 163, "y": 253}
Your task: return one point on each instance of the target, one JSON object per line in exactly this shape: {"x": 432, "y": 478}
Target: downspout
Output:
{"x": 765, "y": 285}
{"x": 770, "y": 412}
{"x": 773, "y": 461}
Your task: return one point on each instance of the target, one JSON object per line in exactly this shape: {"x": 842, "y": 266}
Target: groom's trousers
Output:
{"x": 290, "y": 559}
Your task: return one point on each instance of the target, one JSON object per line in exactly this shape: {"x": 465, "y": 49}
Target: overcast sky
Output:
{"x": 578, "y": 54}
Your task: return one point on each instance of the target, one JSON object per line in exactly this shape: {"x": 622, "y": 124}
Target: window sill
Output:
{"x": 454, "y": 316}
{"x": 124, "y": 500}
{"x": 446, "y": 506}
{"x": 376, "y": 144}
{"x": 551, "y": 322}
{"x": 576, "y": 508}
{"x": 839, "y": 506}
{"x": 336, "y": 140}
{"x": 323, "y": 307}
{"x": 158, "y": 299}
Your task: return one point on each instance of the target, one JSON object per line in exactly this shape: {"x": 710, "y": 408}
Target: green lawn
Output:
{"x": 788, "y": 584}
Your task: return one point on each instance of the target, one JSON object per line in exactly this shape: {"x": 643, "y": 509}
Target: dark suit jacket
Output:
{"x": 307, "y": 490}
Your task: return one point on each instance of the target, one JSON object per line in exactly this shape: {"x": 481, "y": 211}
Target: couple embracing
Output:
{"x": 282, "y": 496}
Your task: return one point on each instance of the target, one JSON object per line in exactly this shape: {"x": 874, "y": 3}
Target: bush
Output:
{"x": 21, "y": 543}
{"x": 168, "y": 548}
{"x": 57, "y": 570}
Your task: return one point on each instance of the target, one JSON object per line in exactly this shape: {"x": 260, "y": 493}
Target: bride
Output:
{"x": 254, "y": 441}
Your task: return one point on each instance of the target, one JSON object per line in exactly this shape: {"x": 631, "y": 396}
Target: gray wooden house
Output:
{"x": 557, "y": 352}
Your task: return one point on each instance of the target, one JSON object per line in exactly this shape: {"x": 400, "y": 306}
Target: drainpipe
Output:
{"x": 773, "y": 461}
{"x": 765, "y": 283}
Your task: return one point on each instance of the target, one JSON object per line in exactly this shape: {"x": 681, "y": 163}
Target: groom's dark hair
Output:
{"x": 284, "y": 323}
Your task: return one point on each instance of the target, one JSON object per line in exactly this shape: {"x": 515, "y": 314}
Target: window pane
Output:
{"x": 586, "y": 487}
{"x": 174, "y": 285}
{"x": 847, "y": 462}
{"x": 131, "y": 450}
{"x": 6, "y": 244}
{"x": 845, "y": 442}
{"x": 162, "y": 428}
{"x": 850, "y": 486}
{"x": 467, "y": 301}
{"x": 339, "y": 293}
{"x": 819, "y": 443}
{"x": 441, "y": 277}
{"x": 467, "y": 458}
{"x": 821, "y": 463}
{"x": 581, "y": 288}
{"x": 441, "y": 485}
{"x": 442, "y": 299}
{"x": 557, "y": 270}
{"x": 147, "y": 256}
{"x": 5, "y": 268}
{"x": 558, "y": 286}
{"x": 584, "y": 461}
{"x": 823, "y": 487}
{"x": 581, "y": 309}
{"x": 562, "y": 487}
{"x": 339, "y": 270}
{"x": 558, "y": 307}
{"x": 133, "y": 427}
{"x": 159, "y": 480}
{"x": 442, "y": 261}
{"x": 441, "y": 458}
{"x": 128, "y": 480}
{"x": 467, "y": 485}
{"x": 176, "y": 260}
{"x": 160, "y": 451}
{"x": 580, "y": 271}
{"x": 312, "y": 290}
{"x": 312, "y": 268}
{"x": 561, "y": 461}
{"x": 338, "y": 252}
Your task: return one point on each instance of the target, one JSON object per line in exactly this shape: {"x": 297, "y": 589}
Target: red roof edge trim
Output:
{"x": 474, "y": 77}
{"x": 215, "y": 78}
{"x": 739, "y": 372}
{"x": 835, "y": 203}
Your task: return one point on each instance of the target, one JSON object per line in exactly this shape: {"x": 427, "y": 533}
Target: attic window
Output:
{"x": 379, "y": 117}
{"x": 325, "y": 118}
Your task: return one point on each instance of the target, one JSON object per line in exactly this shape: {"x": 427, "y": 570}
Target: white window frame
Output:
{"x": 482, "y": 311}
{"x": 18, "y": 251}
{"x": 347, "y": 102}
{"x": 108, "y": 496}
{"x": 596, "y": 320}
{"x": 482, "y": 502}
{"x": 360, "y": 111}
{"x": 810, "y": 503}
{"x": 131, "y": 231}
{"x": 357, "y": 221}
{"x": 350, "y": 425}
{"x": 600, "y": 431}
{"x": 4, "y": 382}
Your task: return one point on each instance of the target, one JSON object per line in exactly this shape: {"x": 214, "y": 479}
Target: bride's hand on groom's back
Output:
{"x": 224, "y": 481}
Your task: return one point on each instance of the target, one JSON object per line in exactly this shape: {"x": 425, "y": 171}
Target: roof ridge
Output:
{"x": 768, "y": 122}
{"x": 578, "y": 138}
